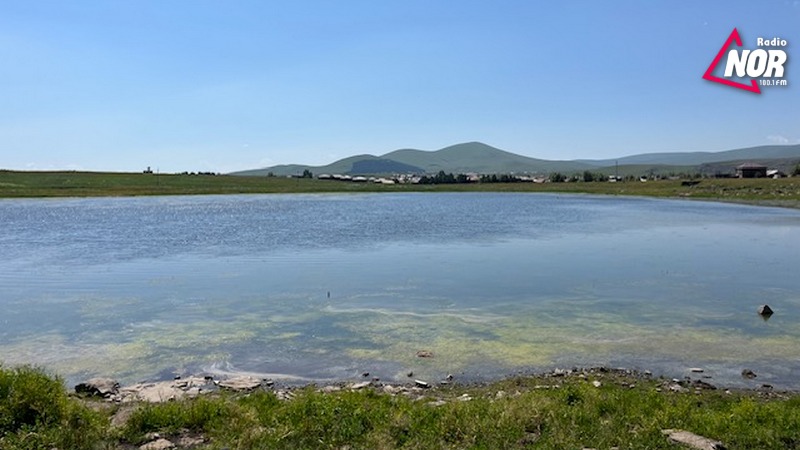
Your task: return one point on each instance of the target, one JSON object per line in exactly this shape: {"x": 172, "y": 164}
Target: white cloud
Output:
{"x": 778, "y": 139}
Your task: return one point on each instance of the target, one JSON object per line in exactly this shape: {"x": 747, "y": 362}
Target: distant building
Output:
{"x": 751, "y": 170}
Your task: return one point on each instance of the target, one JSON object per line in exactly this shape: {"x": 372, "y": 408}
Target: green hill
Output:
{"x": 476, "y": 157}
{"x": 764, "y": 152}
{"x": 461, "y": 158}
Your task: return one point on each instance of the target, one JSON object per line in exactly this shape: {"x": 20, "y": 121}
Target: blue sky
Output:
{"x": 228, "y": 85}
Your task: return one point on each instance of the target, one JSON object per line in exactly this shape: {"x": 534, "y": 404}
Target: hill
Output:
{"x": 477, "y": 157}
{"x": 461, "y": 158}
{"x": 764, "y": 152}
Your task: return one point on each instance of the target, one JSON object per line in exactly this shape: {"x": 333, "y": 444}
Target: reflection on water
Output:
{"x": 318, "y": 287}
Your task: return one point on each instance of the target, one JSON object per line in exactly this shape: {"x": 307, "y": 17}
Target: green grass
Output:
{"x": 626, "y": 411}
{"x": 36, "y": 413}
{"x": 781, "y": 192}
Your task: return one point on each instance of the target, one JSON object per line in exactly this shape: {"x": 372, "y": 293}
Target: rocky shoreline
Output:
{"x": 181, "y": 388}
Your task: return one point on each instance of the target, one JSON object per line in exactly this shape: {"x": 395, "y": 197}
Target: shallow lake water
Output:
{"x": 325, "y": 287}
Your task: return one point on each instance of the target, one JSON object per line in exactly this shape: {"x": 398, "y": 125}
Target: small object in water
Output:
{"x": 765, "y": 310}
{"x": 365, "y": 374}
{"x": 449, "y": 377}
{"x": 425, "y": 354}
{"x": 696, "y": 370}
{"x": 749, "y": 374}
{"x": 410, "y": 374}
{"x": 329, "y": 294}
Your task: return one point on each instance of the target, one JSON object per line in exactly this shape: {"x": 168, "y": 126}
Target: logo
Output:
{"x": 750, "y": 69}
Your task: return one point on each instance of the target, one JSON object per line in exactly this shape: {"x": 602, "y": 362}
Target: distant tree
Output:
{"x": 307, "y": 174}
{"x": 557, "y": 177}
{"x": 270, "y": 174}
{"x": 588, "y": 176}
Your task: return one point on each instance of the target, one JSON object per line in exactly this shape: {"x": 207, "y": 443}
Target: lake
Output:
{"x": 324, "y": 287}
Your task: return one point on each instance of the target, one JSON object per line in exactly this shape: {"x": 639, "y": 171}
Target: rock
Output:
{"x": 328, "y": 389}
{"x": 677, "y": 388}
{"x": 422, "y": 384}
{"x": 241, "y": 383}
{"x": 596, "y": 383}
{"x": 365, "y": 374}
{"x": 436, "y": 403}
{"x": 362, "y": 385}
{"x": 284, "y": 395}
{"x": 152, "y": 392}
{"x": 765, "y": 310}
{"x": 120, "y": 418}
{"x": 160, "y": 444}
{"x": 464, "y": 398}
{"x": 410, "y": 374}
{"x": 449, "y": 377}
{"x": 190, "y": 441}
{"x": 700, "y": 384}
{"x": 696, "y": 370}
{"x": 101, "y": 387}
{"x": 693, "y": 440}
{"x": 392, "y": 390}
{"x": 749, "y": 374}
{"x": 425, "y": 354}
{"x": 163, "y": 391}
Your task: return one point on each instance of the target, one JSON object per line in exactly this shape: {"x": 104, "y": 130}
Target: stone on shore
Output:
{"x": 160, "y": 444}
{"x": 362, "y": 385}
{"x": 243, "y": 383}
{"x": 101, "y": 387}
{"x": 162, "y": 391}
{"x": 425, "y": 354}
{"x": 693, "y": 440}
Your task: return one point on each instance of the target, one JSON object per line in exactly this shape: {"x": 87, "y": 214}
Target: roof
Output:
{"x": 751, "y": 166}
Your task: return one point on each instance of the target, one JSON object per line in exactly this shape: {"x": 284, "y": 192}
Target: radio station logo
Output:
{"x": 749, "y": 69}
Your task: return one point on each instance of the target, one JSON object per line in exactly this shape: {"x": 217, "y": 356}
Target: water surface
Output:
{"x": 324, "y": 287}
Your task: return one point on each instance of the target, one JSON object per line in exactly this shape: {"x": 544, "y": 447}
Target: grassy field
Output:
{"x": 781, "y": 192}
{"x": 588, "y": 409}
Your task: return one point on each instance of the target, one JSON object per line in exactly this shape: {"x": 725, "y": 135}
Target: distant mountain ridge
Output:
{"x": 477, "y": 157}
{"x": 763, "y": 152}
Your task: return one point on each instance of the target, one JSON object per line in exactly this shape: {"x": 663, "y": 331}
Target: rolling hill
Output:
{"x": 764, "y": 152}
{"x": 476, "y": 157}
{"x": 461, "y": 158}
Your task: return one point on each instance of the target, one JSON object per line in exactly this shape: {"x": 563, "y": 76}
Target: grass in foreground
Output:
{"x": 625, "y": 411}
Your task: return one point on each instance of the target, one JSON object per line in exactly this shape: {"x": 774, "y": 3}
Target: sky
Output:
{"x": 197, "y": 85}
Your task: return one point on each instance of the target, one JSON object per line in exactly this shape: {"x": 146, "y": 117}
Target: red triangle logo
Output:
{"x": 752, "y": 87}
